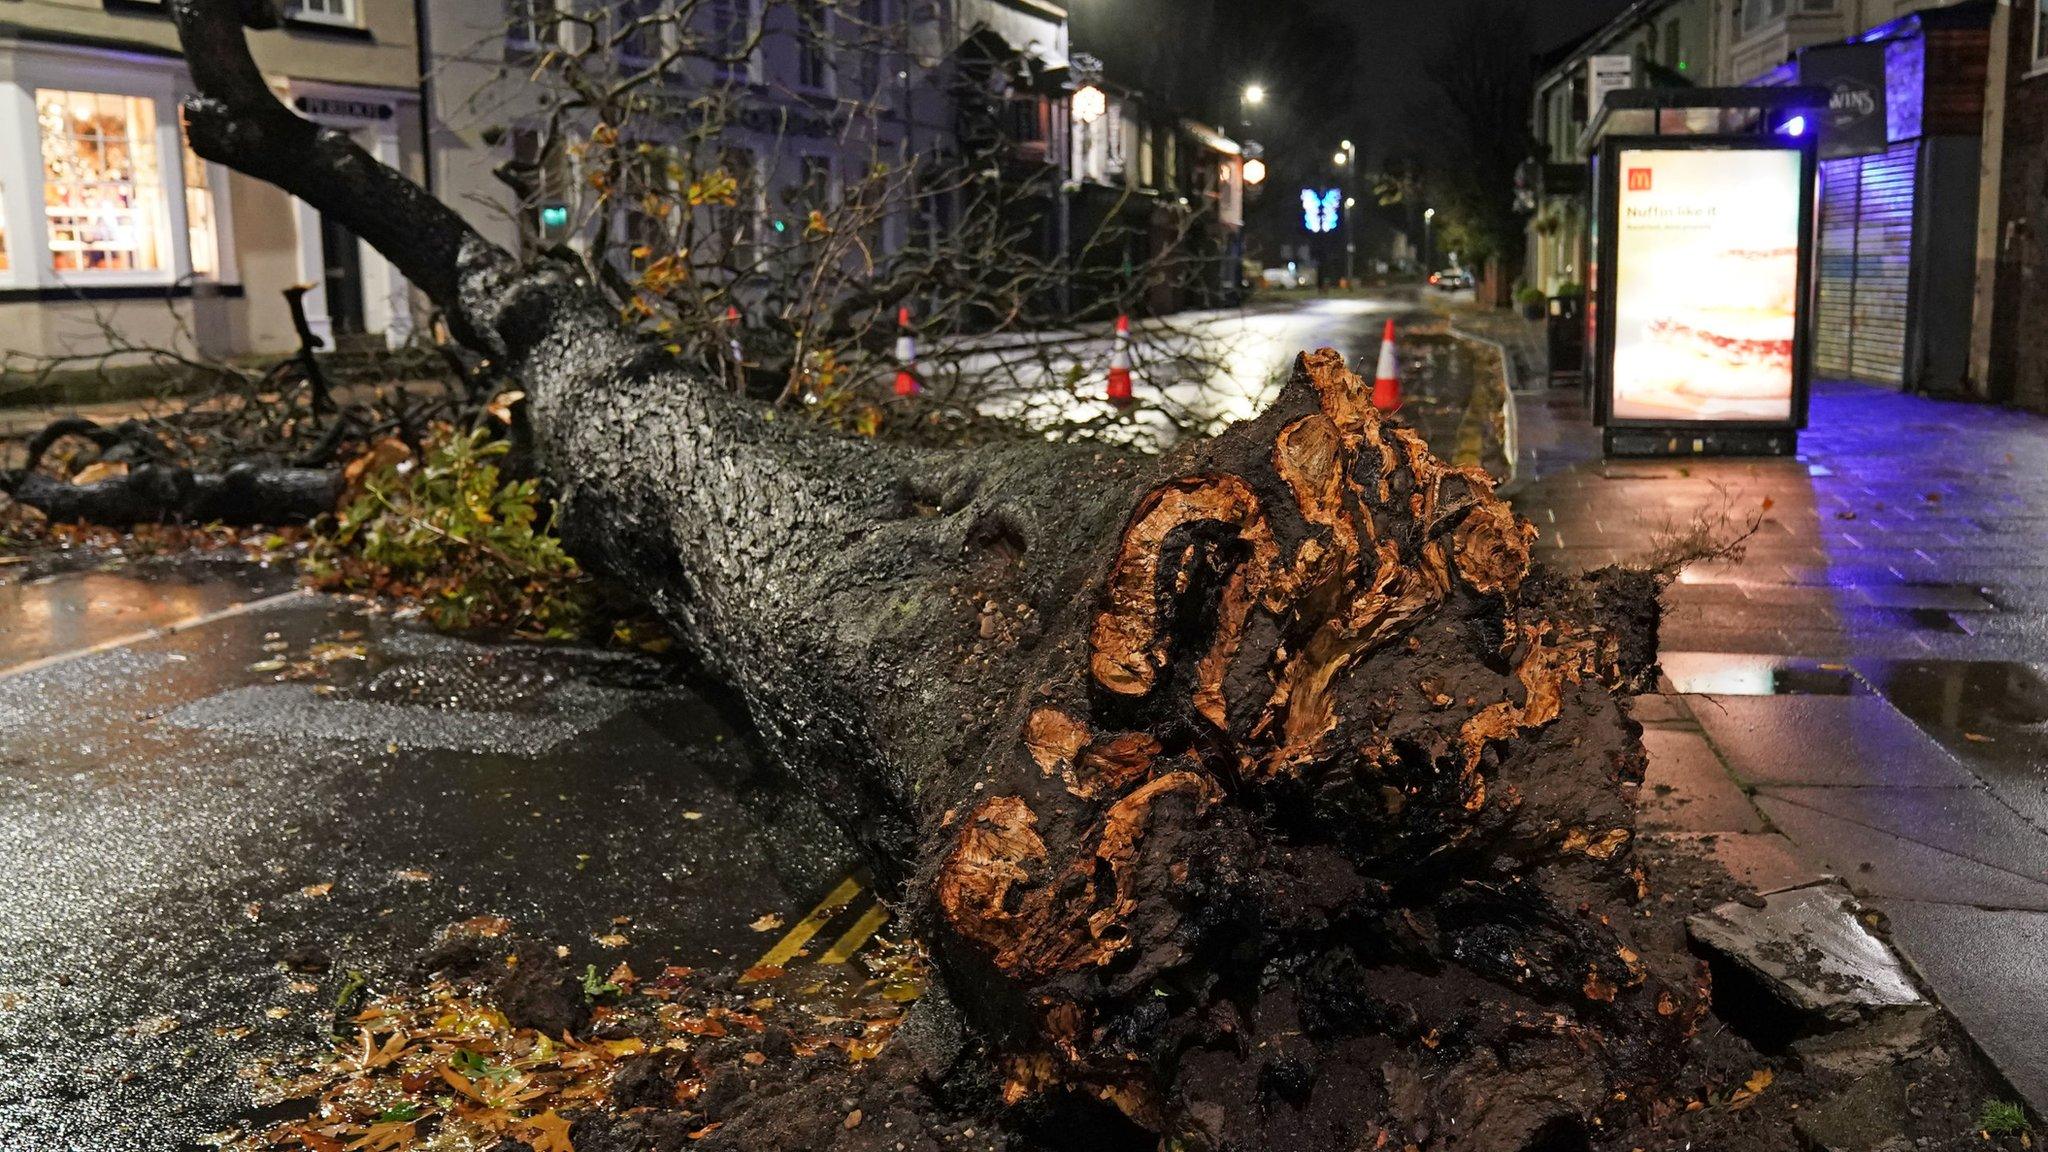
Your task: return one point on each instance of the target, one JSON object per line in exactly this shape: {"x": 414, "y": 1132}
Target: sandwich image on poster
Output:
{"x": 1706, "y": 285}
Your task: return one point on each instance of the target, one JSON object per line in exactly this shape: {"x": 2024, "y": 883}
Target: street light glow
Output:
{"x": 1089, "y": 105}
{"x": 1339, "y": 158}
{"x": 1254, "y": 94}
{"x": 1255, "y": 171}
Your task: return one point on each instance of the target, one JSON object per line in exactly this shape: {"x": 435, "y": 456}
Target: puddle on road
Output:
{"x": 1726, "y": 674}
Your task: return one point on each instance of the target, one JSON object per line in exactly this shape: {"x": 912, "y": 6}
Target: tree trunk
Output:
{"x": 1270, "y": 767}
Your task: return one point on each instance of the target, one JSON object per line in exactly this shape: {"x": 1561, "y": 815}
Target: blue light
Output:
{"x": 1319, "y": 210}
{"x": 1795, "y": 127}
{"x": 554, "y": 216}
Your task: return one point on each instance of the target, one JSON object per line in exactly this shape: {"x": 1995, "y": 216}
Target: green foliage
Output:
{"x": 1531, "y": 297}
{"x": 2003, "y": 1118}
{"x": 596, "y": 987}
{"x": 451, "y": 532}
{"x": 1570, "y": 288}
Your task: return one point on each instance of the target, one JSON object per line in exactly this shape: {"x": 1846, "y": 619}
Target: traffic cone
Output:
{"x": 1386, "y": 384}
{"x": 906, "y": 356}
{"x": 1120, "y": 364}
{"x": 732, "y": 320}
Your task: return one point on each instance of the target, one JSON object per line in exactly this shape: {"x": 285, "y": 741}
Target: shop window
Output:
{"x": 342, "y": 12}
{"x": 202, "y": 221}
{"x": 102, "y": 189}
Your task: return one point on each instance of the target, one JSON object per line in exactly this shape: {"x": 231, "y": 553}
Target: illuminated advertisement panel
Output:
{"x": 1706, "y": 285}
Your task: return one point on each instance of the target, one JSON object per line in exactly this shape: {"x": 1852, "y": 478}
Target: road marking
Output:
{"x": 156, "y": 633}
{"x": 843, "y": 949}
{"x": 794, "y": 940}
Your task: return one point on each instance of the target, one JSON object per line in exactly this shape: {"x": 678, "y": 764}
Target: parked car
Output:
{"x": 1451, "y": 280}
{"x": 1288, "y": 277}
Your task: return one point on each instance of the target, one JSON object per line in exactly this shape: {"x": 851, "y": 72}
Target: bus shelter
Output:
{"x": 1700, "y": 269}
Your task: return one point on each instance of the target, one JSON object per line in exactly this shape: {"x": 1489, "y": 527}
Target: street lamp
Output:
{"x": 1428, "y": 222}
{"x": 1252, "y": 96}
{"x": 1347, "y": 159}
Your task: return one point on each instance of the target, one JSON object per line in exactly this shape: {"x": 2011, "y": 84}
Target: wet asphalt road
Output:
{"x": 178, "y": 816}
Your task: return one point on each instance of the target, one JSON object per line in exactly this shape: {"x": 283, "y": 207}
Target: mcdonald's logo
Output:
{"x": 1639, "y": 179}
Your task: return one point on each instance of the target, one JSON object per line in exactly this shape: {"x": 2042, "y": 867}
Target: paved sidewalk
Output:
{"x": 1865, "y": 693}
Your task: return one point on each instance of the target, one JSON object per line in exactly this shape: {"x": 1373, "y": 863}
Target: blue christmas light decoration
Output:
{"x": 1319, "y": 209}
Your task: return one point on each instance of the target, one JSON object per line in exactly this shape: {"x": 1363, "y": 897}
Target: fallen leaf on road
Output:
{"x": 413, "y": 875}
{"x": 1979, "y": 738}
{"x": 315, "y": 891}
{"x": 302, "y": 987}
{"x": 277, "y": 1013}
{"x": 154, "y": 1026}
{"x": 613, "y": 940}
{"x": 768, "y": 923}
{"x": 550, "y": 1133}
{"x": 267, "y": 666}
{"x": 1752, "y": 1088}
{"x": 100, "y": 470}
{"x": 693, "y": 815}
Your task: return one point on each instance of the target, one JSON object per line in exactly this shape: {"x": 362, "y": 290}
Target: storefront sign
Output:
{"x": 1605, "y": 74}
{"x": 1706, "y": 289}
{"x": 1854, "y": 75}
{"x": 328, "y": 108}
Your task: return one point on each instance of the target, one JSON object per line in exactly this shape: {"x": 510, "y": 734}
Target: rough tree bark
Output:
{"x": 1270, "y": 767}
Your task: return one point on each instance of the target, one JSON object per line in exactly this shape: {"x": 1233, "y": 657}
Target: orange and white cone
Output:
{"x": 1120, "y": 364}
{"x": 732, "y": 320}
{"x": 1386, "y": 384}
{"x": 906, "y": 356}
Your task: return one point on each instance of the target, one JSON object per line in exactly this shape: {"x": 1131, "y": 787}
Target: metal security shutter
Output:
{"x": 1884, "y": 265}
{"x": 1836, "y": 312}
{"x": 1866, "y": 265}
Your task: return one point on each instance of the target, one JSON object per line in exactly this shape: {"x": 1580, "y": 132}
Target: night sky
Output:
{"x": 1335, "y": 68}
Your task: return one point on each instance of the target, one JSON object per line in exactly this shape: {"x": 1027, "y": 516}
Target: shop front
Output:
{"x": 1900, "y": 151}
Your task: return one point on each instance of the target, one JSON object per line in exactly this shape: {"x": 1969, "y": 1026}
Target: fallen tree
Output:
{"x": 1270, "y": 769}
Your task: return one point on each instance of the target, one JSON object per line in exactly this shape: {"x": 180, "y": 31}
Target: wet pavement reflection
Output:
{"x": 204, "y": 833}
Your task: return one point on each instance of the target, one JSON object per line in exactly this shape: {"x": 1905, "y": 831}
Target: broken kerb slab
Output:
{"x": 1808, "y": 948}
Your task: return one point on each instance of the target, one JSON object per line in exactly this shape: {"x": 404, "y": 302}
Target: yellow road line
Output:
{"x": 843, "y": 949}
{"x": 794, "y": 940}
{"x": 158, "y": 633}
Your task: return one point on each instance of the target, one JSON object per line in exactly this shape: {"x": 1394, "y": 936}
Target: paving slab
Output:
{"x": 1765, "y": 861}
{"x": 1970, "y": 822}
{"x": 1874, "y": 862}
{"x": 1990, "y": 969}
{"x": 1687, "y": 790}
{"x": 1831, "y": 740}
{"x": 1811, "y": 951}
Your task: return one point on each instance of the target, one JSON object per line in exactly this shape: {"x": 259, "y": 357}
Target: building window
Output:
{"x": 813, "y": 53}
{"x": 2041, "y": 34}
{"x": 528, "y": 23}
{"x": 866, "y": 45}
{"x": 102, "y": 189}
{"x": 202, "y": 222}
{"x": 342, "y": 12}
{"x": 729, "y": 35}
{"x": 639, "y": 29}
